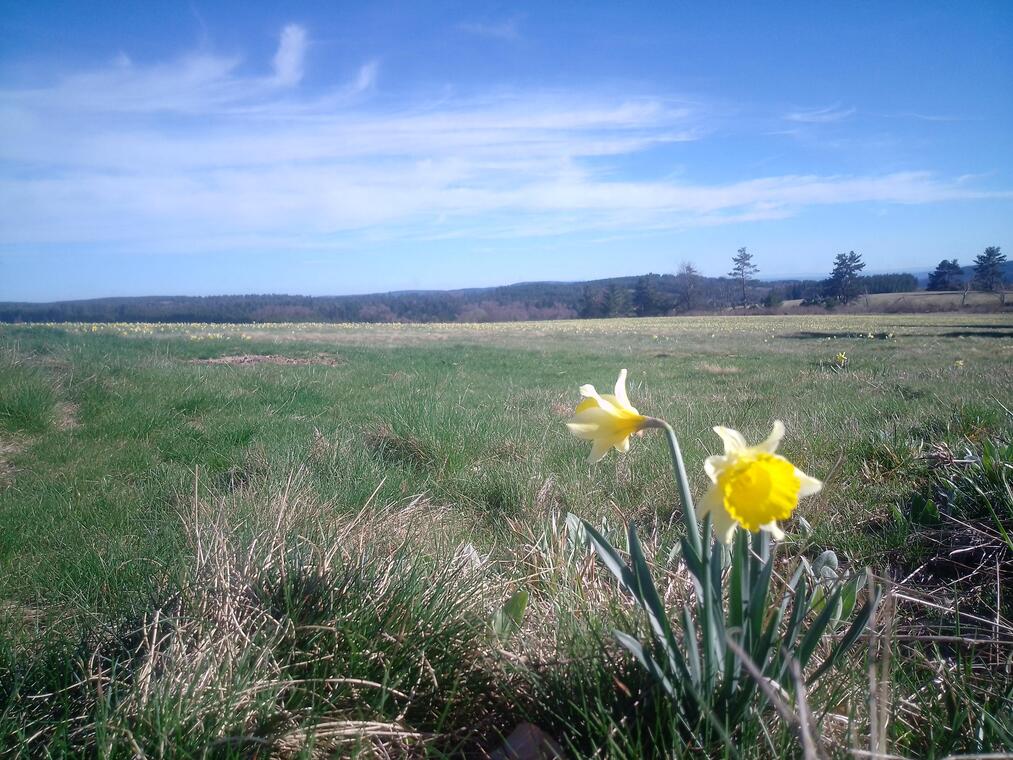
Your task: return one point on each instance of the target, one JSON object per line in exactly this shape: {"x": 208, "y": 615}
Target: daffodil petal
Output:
{"x": 732, "y": 439}
{"x": 623, "y": 445}
{"x": 722, "y": 523}
{"x": 774, "y": 530}
{"x": 621, "y": 396}
{"x": 593, "y": 414}
{"x": 769, "y": 446}
{"x": 713, "y": 465}
{"x": 588, "y": 391}
{"x": 584, "y": 431}
{"x": 599, "y": 449}
{"x": 623, "y": 408}
{"x": 588, "y": 403}
{"x": 809, "y": 485}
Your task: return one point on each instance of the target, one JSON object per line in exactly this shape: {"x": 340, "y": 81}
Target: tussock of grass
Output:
{"x": 27, "y": 398}
{"x": 398, "y": 449}
{"x": 283, "y": 637}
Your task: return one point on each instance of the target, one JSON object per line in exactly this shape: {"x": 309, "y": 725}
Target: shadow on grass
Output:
{"x": 816, "y": 335}
{"x": 1000, "y": 332}
{"x": 978, "y": 331}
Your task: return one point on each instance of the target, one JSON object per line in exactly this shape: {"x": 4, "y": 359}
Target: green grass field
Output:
{"x": 297, "y": 551}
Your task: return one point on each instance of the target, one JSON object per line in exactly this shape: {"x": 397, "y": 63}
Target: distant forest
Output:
{"x": 646, "y": 295}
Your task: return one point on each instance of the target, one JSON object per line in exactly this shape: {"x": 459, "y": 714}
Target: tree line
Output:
{"x": 686, "y": 291}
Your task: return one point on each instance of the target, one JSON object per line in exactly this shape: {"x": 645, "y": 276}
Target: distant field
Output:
{"x": 922, "y": 301}
{"x": 118, "y": 442}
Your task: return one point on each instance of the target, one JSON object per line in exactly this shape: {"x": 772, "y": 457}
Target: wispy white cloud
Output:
{"x": 825, "y": 115}
{"x": 366, "y": 78}
{"x": 250, "y": 161}
{"x": 932, "y": 117}
{"x": 507, "y": 30}
{"x": 288, "y": 61}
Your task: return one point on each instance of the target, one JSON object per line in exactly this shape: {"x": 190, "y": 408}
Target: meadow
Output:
{"x": 298, "y": 540}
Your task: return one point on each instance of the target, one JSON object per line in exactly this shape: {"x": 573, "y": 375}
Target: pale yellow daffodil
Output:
{"x": 608, "y": 420}
{"x": 752, "y": 486}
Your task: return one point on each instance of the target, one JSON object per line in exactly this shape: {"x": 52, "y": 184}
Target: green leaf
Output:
{"x": 804, "y": 527}
{"x": 818, "y": 600}
{"x": 850, "y": 637}
{"x": 716, "y": 612}
{"x": 640, "y": 586}
{"x": 800, "y": 605}
{"x": 826, "y": 560}
{"x": 758, "y": 598}
{"x": 651, "y": 602}
{"x": 738, "y": 582}
{"x": 509, "y": 617}
{"x": 816, "y": 630}
{"x": 644, "y": 657}
{"x": 849, "y": 596}
{"x": 690, "y": 644}
{"x": 576, "y": 536}
{"x": 610, "y": 557}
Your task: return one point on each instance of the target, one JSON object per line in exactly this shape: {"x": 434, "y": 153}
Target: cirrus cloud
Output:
{"x": 194, "y": 154}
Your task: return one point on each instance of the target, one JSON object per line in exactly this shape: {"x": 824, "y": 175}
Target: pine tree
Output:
{"x": 947, "y": 276}
{"x": 988, "y": 269}
{"x": 844, "y": 279}
{"x": 617, "y": 301}
{"x": 648, "y": 300}
{"x": 742, "y": 269}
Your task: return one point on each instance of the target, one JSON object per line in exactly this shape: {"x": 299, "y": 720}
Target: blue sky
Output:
{"x": 324, "y": 148}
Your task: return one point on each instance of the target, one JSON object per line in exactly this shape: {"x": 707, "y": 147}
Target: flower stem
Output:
{"x": 688, "y": 511}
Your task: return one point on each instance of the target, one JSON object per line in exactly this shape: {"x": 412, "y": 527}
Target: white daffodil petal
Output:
{"x": 722, "y": 523}
{"x": 769, "y": 446}
{"x": 774, "y": 530}
{"x": 594, "y": 415}
{"x": 588, "y": 391}
{"x": 724, "y": 526}
{"x": 618, "y": 404}
{"x": 583, "y": 431}
{"x": 623, "y": 445}
{"x": 809, "y": 485}
{"x": 621, "y": 396}
{"x": 599, "y": 449}
{"x": 713, "y": 465}
{"x": 733, "y": 439}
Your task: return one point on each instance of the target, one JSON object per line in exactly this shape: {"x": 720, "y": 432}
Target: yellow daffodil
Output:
{"x": 608, "y": 420}
{"x": 752, "y": 486}
{"x": 841, "y": 359}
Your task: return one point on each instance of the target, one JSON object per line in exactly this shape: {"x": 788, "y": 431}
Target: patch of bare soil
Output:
{"x": 66, "y": 416}
{"x": 288, "y": 361}
{"x": 716, "y": 369}
{"x": 20, "y": 614}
